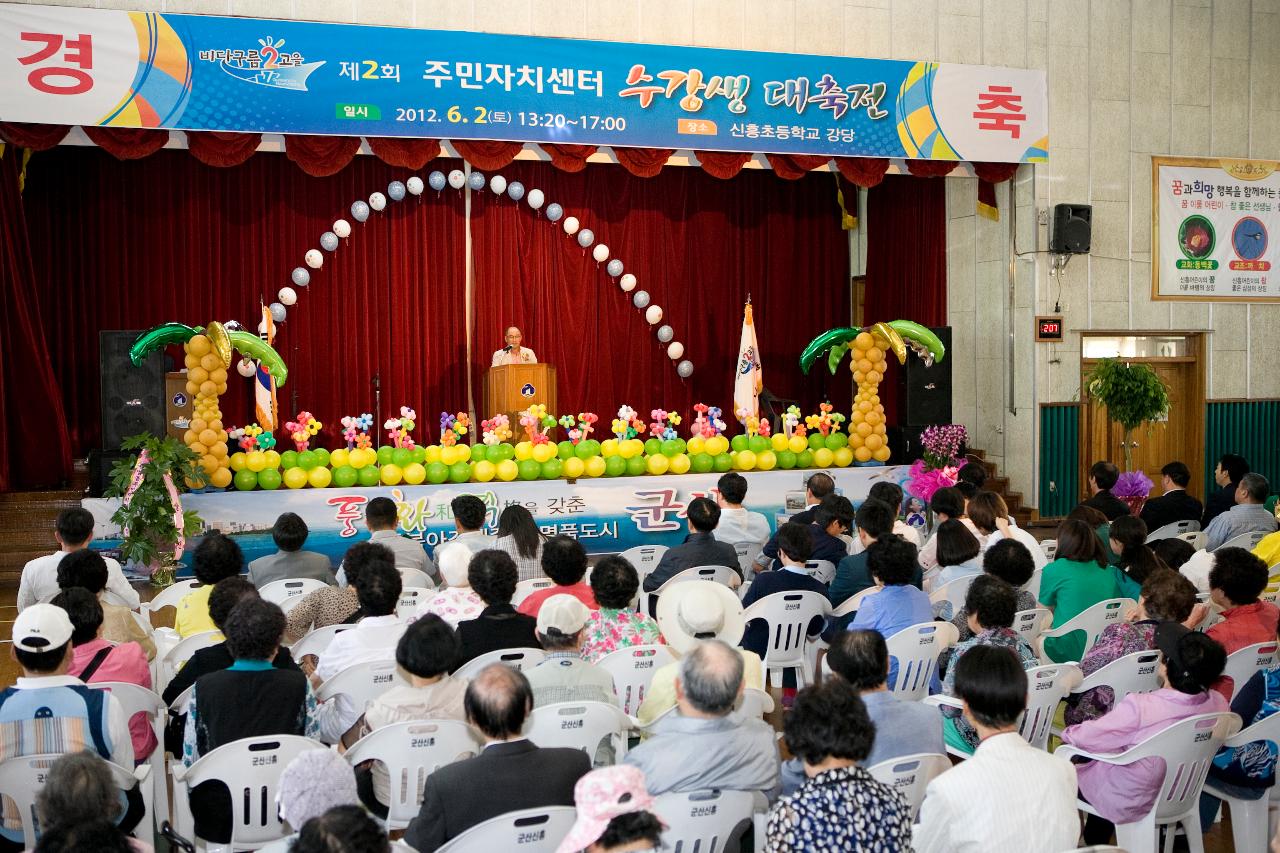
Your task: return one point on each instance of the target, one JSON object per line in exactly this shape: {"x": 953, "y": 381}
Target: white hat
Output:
{"x": 563, "y": 612}
{"x": 693, "y": 611}
{"x": 454, "y": 565}
{"x": 41, "y": 628}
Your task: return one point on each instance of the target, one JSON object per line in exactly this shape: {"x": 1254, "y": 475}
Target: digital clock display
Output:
{"x": 1049, "y": 329}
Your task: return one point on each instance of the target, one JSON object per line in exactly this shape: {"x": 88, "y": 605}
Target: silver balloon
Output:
{"x": 685, "y": 369}
{"x": 554, "y": 212}
{"x": 476, "y": 181}
{"x": 640, "y": 298}
{"x": 328, "y": 241}
{"x": 359, "y": 211}
{"x": 395, "y": 191}
{"x": 278, "y": 312}
{"x": 515, "y": 189}
{"x": 665, "y": 334}
{"x": 301, "y": 276}
{"x": 614, "y": 268}
{"x": 436, "y": 180}
{"x": 586, "y": 237}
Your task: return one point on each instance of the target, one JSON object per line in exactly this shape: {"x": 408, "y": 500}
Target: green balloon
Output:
{"x": 836, "y": 440}
{"x": 307, "y": 460}
{"x": 459, "y": 472}
{"x": 757, "y": 444}
{"x": 479, "y": 453}
{"x": 738, "y": 442}
{"x": 701, "y": 463}
{"x": 289, "y": 459}
{"x": 505, "y": 452}
{"x": 322, "y": 457}
{"x": 786, "y": 459}
{"x": 344, "y": 476}
{"x": 384, "y": 455}
{"x": 614, "y": 466}
{"x": 529, "y": 469}
{"x": 269, "y": 479}
{"x": 587, "y": 448}
{"x": 551, "y": 469}
{"x": 652, "y": 447}
{"x": 437, "y": 473}
{"x": 681, "y": 447}
{"x": 722, "y": 463}
{"x": 401, "y": 456}
{"x": 245, "y": 480}
{"x": 369, "y": 475}
{"x": 804, "y": 459}
{"x": 419, "y": 454}
{"x": 817, "y": 441}
{"x": 670, "y": 447}
{"x": 565, "y": 449}
{"x": 635, "y": 466}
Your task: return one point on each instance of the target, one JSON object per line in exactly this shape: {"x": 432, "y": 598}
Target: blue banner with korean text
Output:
{"x": 192, "y": 72}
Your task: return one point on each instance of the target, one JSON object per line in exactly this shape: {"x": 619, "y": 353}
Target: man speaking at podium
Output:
{"x": 513, "y": 353}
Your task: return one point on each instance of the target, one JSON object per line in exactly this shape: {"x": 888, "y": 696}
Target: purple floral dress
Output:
{"x": 1115, "y": 641}
{"x": 609, "y": 630}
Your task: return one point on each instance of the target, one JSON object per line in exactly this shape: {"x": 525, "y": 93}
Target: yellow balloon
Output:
{"x": 434, "y": 454}
{"x": 573, "y": 468}
{"x": 862, "y": 454}
{"x": 391, "y": 474}
{"x": 200, "y": 345}
{"x": 797, "y": 444}
{"x": 208, "y": 463}
{"x": 198, "y": 425}
{"x": 198, "y": 448}
{"x": 657, "y": 464}
{"x": 198, "y": 375}
{"x": 696, "y": 445}
{"x": 745, "y": 460}
{"x": 295, "y": 478}
{"x": 822, "y": 457}
{"x": 630, "y": 448}
{"x": 220, "y": 478}
{"x": 210, "y": 362}
{"x": 766, "y": 460}
{"x": 368, "y": 456}
{"x": 881, "y": 455}
{"x": 218, "y": 375}
{"x": 462, "y": 452}
{"x": 257, "y": 461}
{"x": 524, "y": 450}
{"x": 209, "y": 388}
{"x": 449, "y": 455}
{"x": 238, "y": 461}
{"x": 219, "y": 451}
{"x": 507, "y": 470}
{"x": 414, "y": 473}
{"x": 864, "y": 341}
{"x": 320, "y": 477}
{"x": 680, "y": 464}
{"x": 273, "y": 458}
{"x": 718, "y": 444}
{"x": 484, "y": 471}
{"x": 856, "y": 440}
{"x": 595, "y": 466}
{"x": 340, "y": 457}
{"x": 193, "y": 388}
{"x": 844, "y": 457}
{"x": 609, "y": 447}
{"x": 191, "y": 360}
{"x": 779, "y": 442}
{"x": 543, "y": 452}
{"x": 873, "y": 442}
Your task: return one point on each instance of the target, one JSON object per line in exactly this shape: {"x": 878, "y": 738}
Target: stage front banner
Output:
{"x": 607, "y": 515}
{"x": 193, "y": 72}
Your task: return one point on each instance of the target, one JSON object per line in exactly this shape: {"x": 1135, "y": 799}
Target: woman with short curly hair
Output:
{"x": 616, "y": 625}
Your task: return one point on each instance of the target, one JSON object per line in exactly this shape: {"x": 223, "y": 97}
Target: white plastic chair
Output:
{"x": 1247, "y": 541}
{"x": 1046, "y": 687}
{"x": 632, "y": 669}
{"x": 173, "y": 660}
{"x": 853, "y": 602}
{"x": 135, "y": 699}
{"x": 1132, "y": 673}
{"x": 288, "y": 592}
{"x": 747, "y": 553}
{"x": 755, "y": 703}
{"x": 410, "y": 752}
{"x": 910, "y": 775}
{"x": 788, "y": 615}
{"x": 415, "y": 579}
{"x": 702, "y": 821}
{"x": 22, "y": 778}
{"x": 1250, "y": 825}
{"x": 823, "y": 571}
{"x": 526, "y": 588}
{"x": 316, "y": 641}
{"x": 250, "y": 768}
{"x": 1176, "y": 528}
{"x": 1091, "y": 621}
{"x": 1030, "y": 624}
{"x": 1033, "y": 585}
{"x": 579, "y": 725}
{"x": 520, "y": 659}
{"x": 952, "y": 592}
{"x": 916, "y": 650}
{"x": 170, "y": 596}
{"x": 1195, "y": 540}
{"x": 1186, "y": 747}
{"x": 714, "y": 574}
{"x": 645, "y": 558}
{"x": 1050, "y": 548}
{"x": 529, "y": 830}
{"x": 1242, "y": 664}
{"x": 411, "y": 598}
{"x": 362, "y": 682}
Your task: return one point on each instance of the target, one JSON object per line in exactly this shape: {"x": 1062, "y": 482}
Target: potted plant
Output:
{"x": 1133, "y": 395}
{"x": 150, "y": 514}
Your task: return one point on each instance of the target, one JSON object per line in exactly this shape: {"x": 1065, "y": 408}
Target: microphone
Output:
{"x": 507, "y": 348}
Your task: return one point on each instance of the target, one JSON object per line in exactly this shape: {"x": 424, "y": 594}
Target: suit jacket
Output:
{"x": 1170, "y": 507}
{"x": 504, "y": 777}
{"x": 497, "y": 627}
{"x": 290, "y": 565}
{"x": 1108, "y": 504}
{"x": 699, "y": 549}
{"x": 1218, "y": 501}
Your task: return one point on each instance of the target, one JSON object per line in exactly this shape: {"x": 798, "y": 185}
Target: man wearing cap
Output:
{"x": 49, "y": 710}
{"x": 689, "y": 613}
{"x": 563, "y": 676}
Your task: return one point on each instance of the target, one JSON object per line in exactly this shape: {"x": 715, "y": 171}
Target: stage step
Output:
{"x": 1000, "y": 485}
{"x": 27, "y": 520}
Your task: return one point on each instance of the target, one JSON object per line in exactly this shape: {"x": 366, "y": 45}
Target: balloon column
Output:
{"x": 869, "y": 350}
{"x": 207, "y": 357}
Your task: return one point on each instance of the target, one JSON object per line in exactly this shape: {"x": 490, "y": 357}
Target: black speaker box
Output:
{"x": 132, "y": 396}
{"x": 100, "y": 464}
{"x": 924, "y": 392}
{"x": 1071, "y": 229}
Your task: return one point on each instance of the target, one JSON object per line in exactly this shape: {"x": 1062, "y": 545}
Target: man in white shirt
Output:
{"x": 738, "y": 524}
{"x": 74, "y": 532}
{"x": 380, "y": 516}
{"x": 374, "y": 638}
{"x": 468, "y": 519}
{"x": 1009, "y": 797}
{"x": 513, "y": 353}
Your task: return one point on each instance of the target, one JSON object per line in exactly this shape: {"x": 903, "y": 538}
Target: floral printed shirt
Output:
{"x": 609, "y": 630}
{"x": 1115, "y": 641}
{"x": 454, "y": 604}
{"x": 841, "y": 809}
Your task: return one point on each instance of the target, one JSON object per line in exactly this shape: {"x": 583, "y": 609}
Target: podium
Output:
{"x": 511, "y": 388}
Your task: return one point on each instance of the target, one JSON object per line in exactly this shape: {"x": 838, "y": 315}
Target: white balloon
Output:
{"x": 627, "y": 283}
{"x": 571, "y": 225}
{"x": 377, "y": 201}
{"x": 653, "y": 315}
{"x": 536, "y": 199}
{"x": 246, "y": 368}
{"x": 342, "y": 228}
{"x": 287, "y": 296}
{"x": 498, "y": 184}
{"x": 600, "y": 253}
{"x": 457, "y": 179}
{"x": 314, "y": 259}
{"x": 675, "y": 350}
{"x": 414, "y": 185}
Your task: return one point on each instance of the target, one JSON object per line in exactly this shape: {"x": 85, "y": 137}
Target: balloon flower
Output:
{"x": 571, "y": 428}
{"x": 239, "y": 435}
{"x": 757, "y": 426}
{"x": 791, "y": 422}
{"x": 302, "y": 428}
{"x": 251, "y": 433}
{"x": 825, "y": 422}
{"x": 495, "y": 430}
{"x": 627, "y": 424}
{"x": 536, "y": 421}
{"x": 398, "y": 429}
{"x": 266, "y": 441}
{"x": 659, "y": 423}
{"x": 447, "y": 436}
{"x": 715, "y": 421}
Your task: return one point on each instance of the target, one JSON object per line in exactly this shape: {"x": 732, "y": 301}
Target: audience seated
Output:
{"x": 689, "y": 613}
{"x": 492, "y": 575}
{"x": 49, "y": 710}
{"x": 897, "y": 605}
{"x": 1190, "y": 662}
{"x": 290, "y": 562}
{"x": 1100, "y": 525}
{"x": 337, "y": 605}
{"x": 1227, "y": 475}
{"x": 88, "y": 569}
{"x": 959, "y": 555}
{"x": 700, "y": 548}
{"x": 73, "y": 531}
{"x": 468, "y": 519}
{"x": 563, "y": 676}
{"x": 425, "y": 652}
{"x": 380, "y": 516}
{"x": 616, "y": 625}
{"x": 946, "y": 504}
{"x": 373, "y": 638}
{"x": 794, "y": 547}
{"x": 990, "y": 514}
{"x": 519, "y": 536}
{"x": 1174, "y": 504}
{"x": 734, "y": 752}
{"x": 832, "y": 520}
{"x": 228, "y": 705}
{"x": 736, "y": 523}
{"x": 891, "y": 494}
{"x": 1103, "y": 476}
{"x": 342, "y": 829}
{"x": 873, "y": 520}
{"x": 1008, "y": 795}
{"x": 1136, "y": 562}
{"x": 1078, "y": 579}
{"x": 1235, "y": 584}
{"x": 839, "y": 806}
{"x": 98, "y": 835}
{"x": 1247, "y": 516}
{"x": 1009, "y": 560}
{"x": 1166, "y": 597}
{"x": 990, "y": 603}
{"x": 215, "y": 558}
{"x": 861, "y": 659}
{"x": 816, "y": 487}
{"x": 94, "y": 660}
{"x": 564, "y": 560}
{"x": 457, "y": 600}
{"x": 1268, "y": 550}
{"x": 311, "y": 784}
{"x": 80, "y": 794}
{"x": 510, "y": 773}
{"x": 1173, "y": 552}
{"x": 615, "y": 813}
{"x": 971, "y": 477}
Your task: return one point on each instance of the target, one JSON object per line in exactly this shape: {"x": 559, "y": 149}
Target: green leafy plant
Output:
{"x": 1133, "y": 395}
{"x": 147, "y": 520}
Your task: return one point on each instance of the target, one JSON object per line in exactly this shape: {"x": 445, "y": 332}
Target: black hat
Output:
{"x": 1192, "y": 660}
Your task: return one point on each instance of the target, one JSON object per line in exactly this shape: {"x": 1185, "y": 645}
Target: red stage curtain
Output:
{"x": 321, "y": 156}
{"x": 35, "y": 449}
{"x": 167, "y": 238}
{"x": 643, "y": 162}
{"x": 722, "y": 164}
{"x": 127, "y": 143}
{"x": 863, "y": 171}
{"x": 568, "y": 158}
{"x": 931, "y": 168}
{"x": 404, "y": 152}
{"x": 699, "y": 246}
{"x": 215, "y": 148}
{"x": 37, "y": 137}
{"x": 792, "y": 166}
{"x": 906, "y": 259}
{"x": 487, "y": 154}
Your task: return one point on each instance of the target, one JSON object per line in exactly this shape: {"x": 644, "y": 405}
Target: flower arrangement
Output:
{"x": 495, "y": 430}
{"x": 708, "y": 423}
{"x": 577, "y": 430}
{"x": 398, "y": 429}
{"x": 151, "y": 515}
{"x": 1133, "y": 487}
{"x": 453, "y": 427}
{"x": 826, "y": 421}
{"x": 536, "y": 422}
{"x": 627, "y": 424}
{"x": 664, "y": 424}
{"x": 793, "y": 422}
{"x": 302, "y": 428}
{"x": 943, "y": 444}
{"x": 356, "y": 430}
